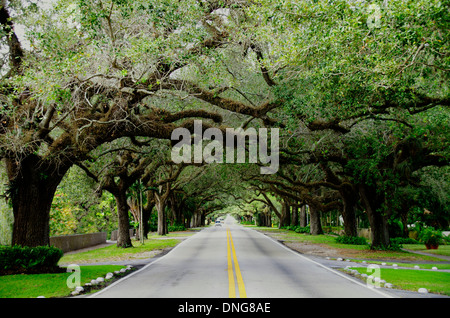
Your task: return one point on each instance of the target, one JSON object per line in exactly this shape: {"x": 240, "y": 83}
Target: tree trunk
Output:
{"x": 123, "y": 239}
{"x": 294, "y": 220}
{"x": 285, "y": 216}
{"x": 302, "y": 217}
{"x": 160, "y": 204}
{"x": 175, "y": 208}
{"x": 196, "y": 218}
{"x": 147, "y": 212}
{"x": 349, "y": 199}
{"x": 315, "y": 225}
{"x": 373, "y": 203}
{"x": 32, "y": 188}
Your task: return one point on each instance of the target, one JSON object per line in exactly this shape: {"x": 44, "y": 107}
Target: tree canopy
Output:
{"x": 358, "y": 90}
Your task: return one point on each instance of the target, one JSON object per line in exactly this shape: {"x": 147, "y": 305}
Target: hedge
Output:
{"x": 29, "y": 260}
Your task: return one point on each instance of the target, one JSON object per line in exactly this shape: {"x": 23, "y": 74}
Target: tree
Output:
{"x": 354, "y": 75}
{"x": 89, "y": 79}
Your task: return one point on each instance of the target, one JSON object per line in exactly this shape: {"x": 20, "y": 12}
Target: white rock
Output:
{"x": 100, "y": 279}
{"x": 123, "y": 270}
{"x": 363, "y": 275}
{"x": 94, "y": 282}
{"x": 109, "y": 276}
{"x": 423, "y": 290}
{"x": 434, "y": 268}
{"x": 388, "y": 285}
{"x": 394, "y": 265}
{"x": 88, "y": 284}
{"x": 74, "y": 293}
{"x": 364, "y": 262}
{"x": 417, "y": 267}
{"x": 116, "y": 272}
{"x": 339, "y": 259}
{"x": 40, "y": 297}
{"x": 383, "y": 264}
{"x": 79, "y": 289}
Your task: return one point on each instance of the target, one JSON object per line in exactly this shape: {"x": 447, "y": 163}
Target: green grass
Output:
{"x": 410, "y": 279}
{"x": 353, "y": 251}
{"x": 55, "y": 285}
{"x": 49, "y": 285}
{"x": 114, "y": 253}
{"x": 442, "y": 250}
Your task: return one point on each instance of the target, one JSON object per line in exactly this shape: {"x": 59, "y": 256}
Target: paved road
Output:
{"x": 231, "y": 261}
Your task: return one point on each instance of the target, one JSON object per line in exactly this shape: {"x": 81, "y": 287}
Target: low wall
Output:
{"x": 115, "y": 234}
{"x": 366, "y": 233}
{"x": 77, "y": 241}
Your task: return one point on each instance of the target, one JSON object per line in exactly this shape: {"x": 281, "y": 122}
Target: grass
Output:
{"x": 356, "y": 251}
{"x": 49, "y": 285}
{"x": 410, "y": 279}
{"x": 114, "y": 253}
{"x": 55, "y": 285}
{"x": 442, "y": 250}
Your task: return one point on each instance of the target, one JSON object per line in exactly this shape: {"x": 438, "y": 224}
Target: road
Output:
{"x": 231, "y": 261}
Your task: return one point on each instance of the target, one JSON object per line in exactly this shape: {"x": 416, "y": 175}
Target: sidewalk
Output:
{"x": 443, "y": 257}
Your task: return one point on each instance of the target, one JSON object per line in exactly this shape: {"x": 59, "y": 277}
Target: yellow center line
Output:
{"x": 231, "y": 287}
{"x": 240, "y": 281}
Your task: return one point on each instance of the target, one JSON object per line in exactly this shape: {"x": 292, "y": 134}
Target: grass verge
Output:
{"x": 411, "y": 279}
{"x": 356, "y": 251}
{"x": 49, "y": 285}
{"x": 55, "y": 285}
{"x": 114, "y": 253}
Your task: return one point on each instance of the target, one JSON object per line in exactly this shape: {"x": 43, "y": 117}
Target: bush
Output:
{"x": 353, "y": 240}
{"x": 176, "y": 228}
{"x": 403, "y": 240}
{"x": 300, "y": 229}
{"x": 430, "y": 236}
{"x": 39, "y": 259}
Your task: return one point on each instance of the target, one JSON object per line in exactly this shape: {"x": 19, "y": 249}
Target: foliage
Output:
{"x": 39, "y": 259}
{"x": 176, "y": 228}
{"x": 77, "y": 208}
{"x": 430, "y": 236}
{"x": 403, "y": 240}
{"x": 353, "y": 240}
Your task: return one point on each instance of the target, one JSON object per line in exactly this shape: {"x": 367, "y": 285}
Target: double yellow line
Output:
{"x": 240, "y": 282}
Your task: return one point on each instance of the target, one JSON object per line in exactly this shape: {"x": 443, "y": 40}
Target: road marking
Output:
{"x": 240, "y": 281}
{"x": 231, "y": 287}
{"x": 325, "y": 267}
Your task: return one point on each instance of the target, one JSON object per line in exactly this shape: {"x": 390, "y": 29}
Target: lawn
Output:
{"x": 55, "y": 285}
{"x": 356, "y": 251}
{"x": 411, "y": 279}
{"x": 114, "y": 253}
{"x": 49, "y": 285}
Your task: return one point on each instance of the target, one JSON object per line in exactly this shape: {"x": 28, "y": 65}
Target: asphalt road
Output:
{"x": 231, "y": 261}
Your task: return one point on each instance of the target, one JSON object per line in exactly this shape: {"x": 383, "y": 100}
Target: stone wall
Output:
{"x": 77, "y": 241}
{"x": 115, "y": 233}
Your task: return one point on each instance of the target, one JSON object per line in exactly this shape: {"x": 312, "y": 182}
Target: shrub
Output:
{"x": 430, "y": 236}
{"x": 39, "y": 259}
{"x": 176, "y": 228}
{"x": 403, "y": 240}
{"x": 353, "y": 240}
{"x": 300, "y": 229}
